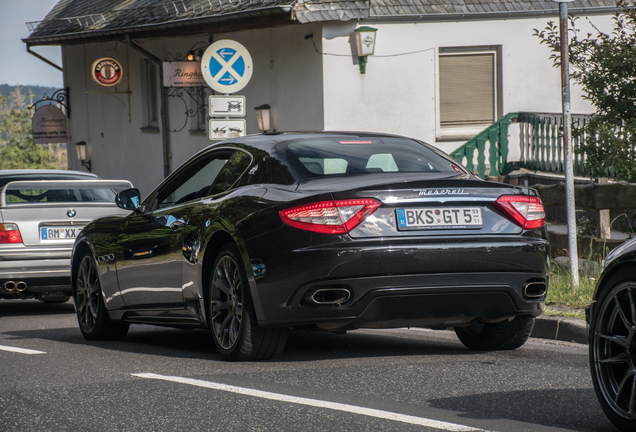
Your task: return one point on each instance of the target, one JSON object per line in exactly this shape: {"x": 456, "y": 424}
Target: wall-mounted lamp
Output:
{"x": 195, "y": 55}
{"x": 82, "y": 155}
{"x": 262, "y": 117}
{"x": 365, "y": 41}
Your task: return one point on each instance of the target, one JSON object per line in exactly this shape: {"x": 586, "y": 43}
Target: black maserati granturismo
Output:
{"x": 257, "y": 236}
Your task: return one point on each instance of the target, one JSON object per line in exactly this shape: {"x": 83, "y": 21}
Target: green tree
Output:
{"x": 604, "y": 64}
{"x": 17, "y": 149}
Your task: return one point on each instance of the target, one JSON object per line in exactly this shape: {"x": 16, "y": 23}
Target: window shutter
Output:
{"x": 467, "y": 89}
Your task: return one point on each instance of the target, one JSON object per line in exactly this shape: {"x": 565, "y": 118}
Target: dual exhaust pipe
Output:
{"x": 340, "y": 296}
{"x": 11, "y": 286}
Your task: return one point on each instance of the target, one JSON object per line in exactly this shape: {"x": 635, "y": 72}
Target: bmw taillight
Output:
{"x": 9, "y": 233}
{"x": 525, "y": 211}
{"x": 330, "y": 217}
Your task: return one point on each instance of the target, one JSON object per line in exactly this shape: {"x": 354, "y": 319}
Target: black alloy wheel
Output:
{"x": 505, "y": 335}
{"x": 235, "y": 330}
{"x": 613, "y": 353}
{"x": 92, "y": 315}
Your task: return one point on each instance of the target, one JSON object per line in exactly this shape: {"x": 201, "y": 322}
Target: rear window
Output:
{"x": 16, "y": 196}
{"x": 344, "y": 155}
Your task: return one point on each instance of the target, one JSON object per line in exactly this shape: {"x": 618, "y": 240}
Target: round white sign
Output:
{"x": 226, "y": 66}
{"x": 106, "y": 72}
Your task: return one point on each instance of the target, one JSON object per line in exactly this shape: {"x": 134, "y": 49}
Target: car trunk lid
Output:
{"x": 430, "y": 207}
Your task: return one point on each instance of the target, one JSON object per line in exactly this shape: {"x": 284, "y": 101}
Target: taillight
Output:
{"x": 525, "y": 211}
{"x": 330, "y": 217}
{"x": 9, "y": 233}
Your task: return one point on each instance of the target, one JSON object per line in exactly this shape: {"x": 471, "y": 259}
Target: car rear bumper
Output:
{"x": 410, "y": 283}
{"x": 27, "y": 272}
{"x": 432, "y": 300}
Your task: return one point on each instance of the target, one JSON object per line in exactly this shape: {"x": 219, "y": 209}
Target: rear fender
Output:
{"x": 218, "y": 237}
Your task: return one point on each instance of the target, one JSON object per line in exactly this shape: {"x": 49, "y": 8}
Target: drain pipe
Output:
{"x": 45, "y": 60}
{"x": 164, "y": 108}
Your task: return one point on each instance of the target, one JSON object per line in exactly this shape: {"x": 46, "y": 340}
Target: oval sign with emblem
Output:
{"x": 71, "y": 213}
{"x": 106, "y": 72}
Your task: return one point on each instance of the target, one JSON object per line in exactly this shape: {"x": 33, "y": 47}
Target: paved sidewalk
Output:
{"x": 560, "y": 328}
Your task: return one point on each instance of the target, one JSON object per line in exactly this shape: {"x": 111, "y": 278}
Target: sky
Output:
{"x": 18, "y": 66}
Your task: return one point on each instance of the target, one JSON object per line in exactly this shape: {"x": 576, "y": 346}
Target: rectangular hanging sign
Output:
{"x": 183, "y": 74}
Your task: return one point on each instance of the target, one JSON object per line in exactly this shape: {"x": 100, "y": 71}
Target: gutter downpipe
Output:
{"x": 164, "y": 111}
{"x": 45, "y": 60}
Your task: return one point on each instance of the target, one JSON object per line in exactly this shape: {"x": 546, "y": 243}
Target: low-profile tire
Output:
{"x": 235, "y": 330}
{"x": 613, "y": 353}
{"x": 505, "y": 335}
{"x": 92, "y": 315}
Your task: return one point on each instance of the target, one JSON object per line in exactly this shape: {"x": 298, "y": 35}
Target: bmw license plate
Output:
{"x": 439, "y": 218}
{"x": 59, "y": 233}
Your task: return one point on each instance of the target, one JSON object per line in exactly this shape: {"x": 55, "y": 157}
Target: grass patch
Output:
{"x": 560, "y": 292}
{"x": 549, "y": 311}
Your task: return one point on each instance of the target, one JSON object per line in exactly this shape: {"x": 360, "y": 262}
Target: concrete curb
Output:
{"x": 559, "y": 328}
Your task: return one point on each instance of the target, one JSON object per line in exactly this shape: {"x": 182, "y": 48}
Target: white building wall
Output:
{"x": 398, "y": 93}
{"x": 287, "y": 76}
{"x": 307, "y": 90}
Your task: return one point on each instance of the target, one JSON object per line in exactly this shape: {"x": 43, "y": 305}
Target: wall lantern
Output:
{"x": 82, "y": 154}
{"x": 365, "y": 41}
{"x": 195, "y": 55}
{"x": 262, "y": 117}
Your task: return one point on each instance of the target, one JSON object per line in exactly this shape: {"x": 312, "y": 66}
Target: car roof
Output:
{"x": 48, "y": 172}
{"x": 266, "y": 141}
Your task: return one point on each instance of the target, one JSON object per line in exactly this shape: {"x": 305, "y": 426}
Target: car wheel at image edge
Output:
{"x": 92, "y": 315}
{"x": 235, "y": 330}
{"x": 505, "y": 335}
{"x": 613, "y": 354}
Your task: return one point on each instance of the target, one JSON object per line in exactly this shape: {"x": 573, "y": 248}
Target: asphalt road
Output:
{"x": 160, "y": 379}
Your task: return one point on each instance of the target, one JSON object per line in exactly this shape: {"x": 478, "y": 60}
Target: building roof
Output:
{"x": 86, "y": 19}
{"x": 325, "y": 10}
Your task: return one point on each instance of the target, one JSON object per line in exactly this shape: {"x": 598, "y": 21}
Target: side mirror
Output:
{"x": 129, "y": 199}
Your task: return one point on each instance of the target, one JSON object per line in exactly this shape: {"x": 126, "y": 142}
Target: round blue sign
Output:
{"x": 226, "y": 66}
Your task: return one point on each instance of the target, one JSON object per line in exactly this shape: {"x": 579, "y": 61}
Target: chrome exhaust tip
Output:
{"x": 21, "y": 286}
{"x": 9, "y": 286}
{"x": 329, "y": 296}
{"x": 535, "y": 289}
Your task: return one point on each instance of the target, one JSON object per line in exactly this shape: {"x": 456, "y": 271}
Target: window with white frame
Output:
{"x": 469, "y": 89}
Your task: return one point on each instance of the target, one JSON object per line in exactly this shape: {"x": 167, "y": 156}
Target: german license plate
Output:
{"x": 439, "y": 218}
{"x": 59, "y": 233}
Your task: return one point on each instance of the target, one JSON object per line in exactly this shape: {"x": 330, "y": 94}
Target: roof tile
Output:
{"x": 83, "y": 18}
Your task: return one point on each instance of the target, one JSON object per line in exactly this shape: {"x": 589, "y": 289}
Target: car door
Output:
{"x": 151, "y": 248}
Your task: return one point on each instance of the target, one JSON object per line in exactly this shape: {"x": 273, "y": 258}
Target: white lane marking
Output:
{"x": 421, "y": 421}
{"x": 20, "y": 350}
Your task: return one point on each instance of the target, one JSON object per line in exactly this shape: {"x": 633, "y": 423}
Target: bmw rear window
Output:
{"x": 355, "y": 155}
{"x": 18, "y": 196}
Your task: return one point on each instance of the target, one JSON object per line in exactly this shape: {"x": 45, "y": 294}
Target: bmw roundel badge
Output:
{"x": 71, "y": 213}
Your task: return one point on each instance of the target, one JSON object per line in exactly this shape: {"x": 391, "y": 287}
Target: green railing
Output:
{"x": 540, "y": 145}
{"x": 541, "y": 142}
{"x": 497, "y": 136}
